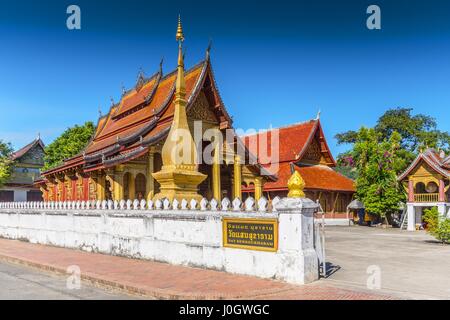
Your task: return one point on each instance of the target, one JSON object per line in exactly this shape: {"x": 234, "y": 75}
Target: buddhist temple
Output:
{"x": 130, "y": 155}
{"x": 303, "y": 148}
{"x": 427, "y": 183}
{"x": 28, "y": 161}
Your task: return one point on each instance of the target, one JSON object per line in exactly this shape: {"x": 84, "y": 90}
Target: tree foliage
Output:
{"x": 437, "y": 226}
{"x": 5, "y": 161}
{"x": 68, "y": 144}
{"x": 380, "y": 154}
{"x": 417, "y": 131}
{"x": 376, "y": 160}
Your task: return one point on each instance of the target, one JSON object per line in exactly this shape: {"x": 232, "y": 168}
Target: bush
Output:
{"x": 437, "y": 226}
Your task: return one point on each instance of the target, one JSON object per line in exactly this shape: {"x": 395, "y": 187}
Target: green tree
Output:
{"x": 68, "y": 144}
{"x": 437, "y": 226}
{"x": 376, "y": 160}
{"x": 5, "y": 161}
{"x": 417, "y": 133}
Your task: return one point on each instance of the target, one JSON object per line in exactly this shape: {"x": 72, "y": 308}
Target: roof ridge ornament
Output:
{"x": 318, "y": 114}
{"x": 140, "y": 79}
{"x": 100, "y": 112}
{"x": 208, "y": 49}
{"x": 161, "y": 66}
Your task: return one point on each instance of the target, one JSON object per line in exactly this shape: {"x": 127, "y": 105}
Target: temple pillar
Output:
{"x": 150, "y": 182}
{"x": 410, "y": 191}
{"x": 216, "y": 183}
{"x": 118, "y": 184}
{"x": 258, "y": 188}
{"x": 237, "y": 186}
{"x": 411, "y": 212}
{"x": 441, "y": 191}
{"x": 101, "y": 181}
{"x": 131, "y": 186}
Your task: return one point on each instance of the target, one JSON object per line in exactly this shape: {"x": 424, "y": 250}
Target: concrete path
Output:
{"x": 412, "y": 265}
{"x": 164, "y": 281}
{"x": 22, "y": 283}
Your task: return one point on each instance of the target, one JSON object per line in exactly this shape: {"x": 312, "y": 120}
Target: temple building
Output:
{"x": 302, "y": 147}
{"x": 130, "y": 155}
{"x": 26, "y": 169}
{"x": 427, "y": 182}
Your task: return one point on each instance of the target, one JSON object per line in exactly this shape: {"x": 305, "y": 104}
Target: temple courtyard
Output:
{"x": 411, "y": 265}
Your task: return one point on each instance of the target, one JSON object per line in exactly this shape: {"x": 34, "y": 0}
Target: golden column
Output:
{"x": 258, "y": 188}
{"x": 216, "y": 175}
{"x": 131, "y": 187}
{"x": 179, "y": 177}
{"x": 101, "y": 181}
{"x": 118, "y": 183}
{"x": 150, "y": 182}
{"x": 237, "y": 177}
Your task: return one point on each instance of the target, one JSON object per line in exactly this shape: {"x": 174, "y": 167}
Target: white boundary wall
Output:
{"x": 182, "y": 237}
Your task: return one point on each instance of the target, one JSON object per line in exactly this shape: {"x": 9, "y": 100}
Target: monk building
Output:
{"x": 427, "y": 183}
{"x": 130, "y": 156}
{"x": 27, "y": 164}
{"x": 302, "y": 147}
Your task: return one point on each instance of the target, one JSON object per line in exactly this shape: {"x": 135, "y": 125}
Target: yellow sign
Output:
{"x": 251, "y": 234}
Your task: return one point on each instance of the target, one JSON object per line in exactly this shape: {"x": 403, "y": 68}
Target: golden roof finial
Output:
{"x": 179, "y": 36}
{"x": 296, "y": 184}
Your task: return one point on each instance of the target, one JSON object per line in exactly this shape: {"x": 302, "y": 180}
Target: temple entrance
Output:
{"x": 157, "y": 163}
{"x": 108, "y": 192}
{"x": 126, "y": 186}
{"x": 226, "y": 181}
{"x": 140, "y": 183}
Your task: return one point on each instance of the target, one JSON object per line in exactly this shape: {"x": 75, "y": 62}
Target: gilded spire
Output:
{"x": 180, "y": 35}
{"x": 180, "y": 92}
{"x": 179, "y": 177}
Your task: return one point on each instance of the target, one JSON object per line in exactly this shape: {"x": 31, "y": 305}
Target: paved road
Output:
{"x": 412, "y": 265}
{"x": 23, "y": 283}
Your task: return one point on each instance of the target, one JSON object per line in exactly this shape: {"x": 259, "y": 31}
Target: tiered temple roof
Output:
{"x": 143, "y": 118}
{"x": 303, "y": 147}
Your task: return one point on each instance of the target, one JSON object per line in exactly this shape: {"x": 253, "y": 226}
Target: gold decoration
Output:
{"x": 201, "y": 110}
{"x": 179, "y": 36}
{"x": 296, "y": 184}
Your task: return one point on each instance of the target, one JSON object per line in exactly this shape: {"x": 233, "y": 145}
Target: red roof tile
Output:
{"x": 317, "y": 177}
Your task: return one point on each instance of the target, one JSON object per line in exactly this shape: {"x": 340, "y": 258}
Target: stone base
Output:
{"x": 178, "y": 183}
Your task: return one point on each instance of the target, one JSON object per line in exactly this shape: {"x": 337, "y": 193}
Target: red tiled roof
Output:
{"x": 316, "y": 177}
{"x": 116, "y": 125}
{"x": 143, "y": 117}
{"x": 292, "y": 140}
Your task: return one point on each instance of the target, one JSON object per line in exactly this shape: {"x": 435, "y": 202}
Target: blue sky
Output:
{"x": 275, "y": 63}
